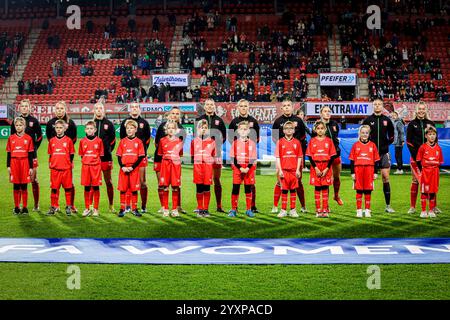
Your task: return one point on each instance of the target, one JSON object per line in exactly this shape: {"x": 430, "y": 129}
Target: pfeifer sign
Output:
{"x": 340, "y": 108}
{"x": 337, "y": 79}
{"x": 175, "y": 80}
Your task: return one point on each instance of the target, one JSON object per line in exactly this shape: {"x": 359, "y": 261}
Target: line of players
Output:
{"x": 369, "y": 153}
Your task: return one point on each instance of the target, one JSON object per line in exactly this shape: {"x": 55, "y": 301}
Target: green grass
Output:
{"x": 48, "y": 281}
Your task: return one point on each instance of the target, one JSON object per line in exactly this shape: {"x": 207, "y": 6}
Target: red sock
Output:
{"x": 165, "y": 201}
{"x": 96, "y": 198}
{"x": 336, "y": 187}
{"x": 69, "y": 194}
{"x": 144, "y": 192}
{"x": 72, "y": 196}
{"x": 25, "y": 198}
{"x": 358, "y": 200}
{"x": 423, "y": 201}
{"x": 325, "y": 199}
{"x": 175, "y": 198}
{"x": 206, "y": 199}
{"x": 283, "y": 200}
{"x": 276, "y": 195}
{"x": 54, "y": 199}
{"x": 414, "y": 190}
{"x": 367, "y": 197}
{"x": 110, "y": 191}
{"x": 432, "y": 201}
{"x": 234, "y": 201}
{"x": 301, "y": 193}
{"x": 128, "y": 197}
{"x": 87, "y": 199}
{"x": 249, "y": 200}
{"x": 35, "y": 188}
{"x": 161, "y": 196}
{"x": 316, "y": 199}
{"x": 293, "y": 199}
{"x": 134, "y": 200}
{"x": 123, "y": 200}
{"x": 16, "y": 198}
{"x": 200, "y": 200}
{"x": 218, "y": 193}
{"x": 253, "y": 195}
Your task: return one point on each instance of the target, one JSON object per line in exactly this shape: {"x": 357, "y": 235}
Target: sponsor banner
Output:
{"x": 3, "y": 111}
{"x": 175, "y": 79}
{"x": 438, "y": 111}
{"x": 340, "y": 108}
{"x": 166, "y": 107}
{"x": 263, "y": 112}
{"x": 337, "y": 79}
{"x": 227, "y": 251}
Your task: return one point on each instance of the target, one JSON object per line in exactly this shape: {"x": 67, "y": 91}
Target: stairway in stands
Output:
{"x": 10, "y": 86}
{"x": 334, "y": 48}
{"x": 177, "y": 45}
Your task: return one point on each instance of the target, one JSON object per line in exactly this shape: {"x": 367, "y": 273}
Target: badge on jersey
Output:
{"x": 141, "y": 125}
{"x": 105, "y": 126}
{"x": 334, "y": 128}
{"x": 30, "y": 124}
{"x": 136, "y": 145}
{"x": 295, "y": 123}
{"x": 217, "y": 122}
{"x": 385, "y": 123}
{"x": 251, "y": 124}
{"x": 65, "y": 144}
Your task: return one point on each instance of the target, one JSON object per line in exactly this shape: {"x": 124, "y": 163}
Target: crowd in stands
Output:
{"x": 10, "y": 47}
{"x": 389, "y": 63}
{"x": 36, "y": 86}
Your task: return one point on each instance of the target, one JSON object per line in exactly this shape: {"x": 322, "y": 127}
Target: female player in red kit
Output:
{"x": 61, "y": 152}
{"x": 364, "y": 158}
{"x": 321, "y": 153}
{"x": 203, "y": 152}
{"x": 243, "y": 158}
{"x": 130, "y": 154}
{"x": 289, "y": 155}
{"x": 429, "y": 158}
{"x": 20, "y": 154}
{"x": 170, "y": 148}
{"x": 91, "y": 150}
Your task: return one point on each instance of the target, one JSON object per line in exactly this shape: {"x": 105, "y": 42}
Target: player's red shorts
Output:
{"x": 414, "y": 169}
{"x": 157, "y": 166}
{"x": 337, "y": 161}
{"x": 60, "y": 178}
{"x": 170, "y": 174}
{"x": 35, "y": 163}
{"x": 107, "y": 165}
{"x": 364, "y": 177}
{"x": 91, "y": 175}
{"x": 144, "y": 163}
{"x": 20, "y": 171}
{"x": 203, "y": 173}
{"x": 239, "y": 177}
{"x": 129, "y": 181}
{"x": 322, "y": 181}
{"x": 289, "y": 180}
{"x": 429, "y": 180}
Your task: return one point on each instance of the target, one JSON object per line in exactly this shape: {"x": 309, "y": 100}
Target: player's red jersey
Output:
{"x": 320, "y": 150}
{"x": 171, "y": 149}
{"x": 203, "y": 150}
{"x": 60, "y": 150}
{"x": 289, "y": 151}
{"x": 364, "y": 154}
{"x": 19, "y": 146}
{"x": 431, "y": 158}
{"x": 243, "y": 151}
{"x": 91, "y": 150}
{"x": 130, "y": 150}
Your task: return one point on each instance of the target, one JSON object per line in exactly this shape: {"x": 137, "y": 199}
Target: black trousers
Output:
{"x": 399, "y": 157}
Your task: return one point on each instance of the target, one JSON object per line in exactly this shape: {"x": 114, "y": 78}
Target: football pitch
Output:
{"x": 113, "y": 281}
